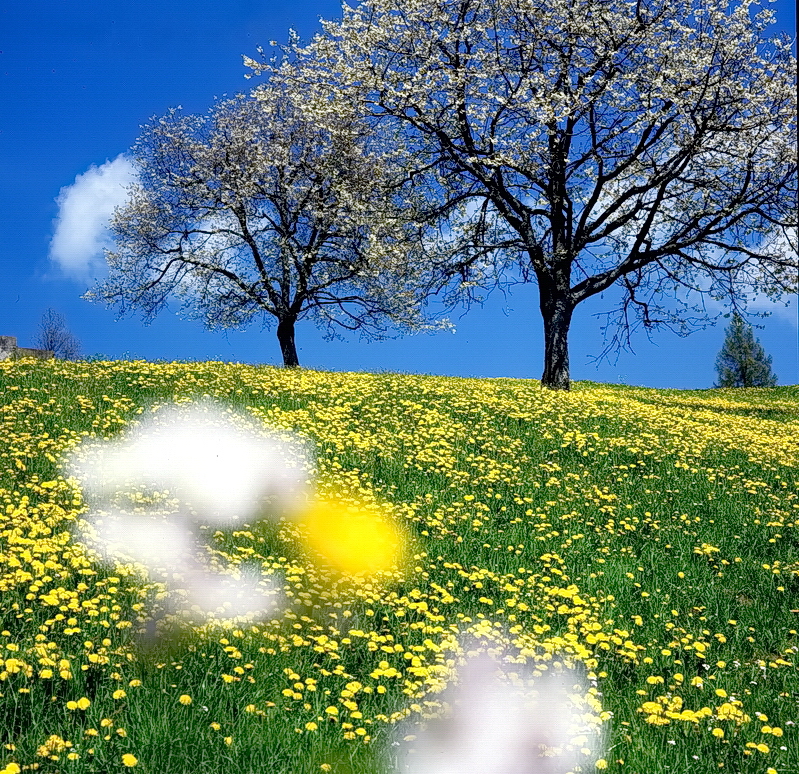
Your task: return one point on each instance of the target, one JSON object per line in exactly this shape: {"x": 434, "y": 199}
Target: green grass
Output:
{"x": 673, "y": 513}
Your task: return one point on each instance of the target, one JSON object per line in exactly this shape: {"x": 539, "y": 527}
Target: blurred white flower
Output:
{"x": 496, "y": 727}
{"x": 161, "y": 543}
{"x": 225, "y": 473}
{"x": 170, "y": 548}
{"x": 218, "y": 470}
{"x": 228, "y": 597}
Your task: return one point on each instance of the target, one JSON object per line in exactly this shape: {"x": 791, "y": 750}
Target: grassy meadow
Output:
{"x": 649, "y": 536}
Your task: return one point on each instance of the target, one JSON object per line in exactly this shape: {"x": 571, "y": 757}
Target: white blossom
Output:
{"x": 259, "y": 211}
{"x": 601, "y": 143}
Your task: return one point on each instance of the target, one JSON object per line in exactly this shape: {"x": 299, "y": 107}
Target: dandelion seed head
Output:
{"x": 221, "y": 472}
{"x": 162, "y": 544}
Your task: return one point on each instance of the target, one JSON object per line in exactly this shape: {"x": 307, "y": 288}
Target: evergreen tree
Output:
{"x": 742, "y": 362}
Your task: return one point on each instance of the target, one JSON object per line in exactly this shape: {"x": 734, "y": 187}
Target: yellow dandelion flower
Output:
{"x": 184, "y": 699}
{"x": 129, "y": 760}
{"x": 601, "y": 764}
{"x": 353, "y": 539}
{"x": 311, "y": 726}
{"x": 718, "y": 733}
{"x": 119, "y": 694}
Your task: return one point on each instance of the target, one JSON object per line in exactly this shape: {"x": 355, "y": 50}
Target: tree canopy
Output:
{"x": 583, "y": 144}
{"x": 254, "y": 210}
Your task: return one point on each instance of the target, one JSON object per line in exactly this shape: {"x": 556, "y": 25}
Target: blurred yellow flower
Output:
{"x": 351, "y": 538}
{"x": 185, "y": 699}
{"x": 129, "y": 760}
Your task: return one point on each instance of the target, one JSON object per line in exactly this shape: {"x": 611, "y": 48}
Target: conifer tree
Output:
{"x": 742, "y": 362}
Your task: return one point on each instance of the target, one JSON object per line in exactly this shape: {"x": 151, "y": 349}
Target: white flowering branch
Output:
{"x": 593, "y": 144}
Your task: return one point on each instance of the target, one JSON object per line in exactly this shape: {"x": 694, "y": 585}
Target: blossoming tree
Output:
{"x": 646, "y": 144}
{"x": 256, "y": 211}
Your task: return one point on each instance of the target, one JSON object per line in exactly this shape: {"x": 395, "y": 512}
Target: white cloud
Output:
{"x": 84, "y": 209}
{"x": 785, "y": 310}
{"x": 784, "y": 245}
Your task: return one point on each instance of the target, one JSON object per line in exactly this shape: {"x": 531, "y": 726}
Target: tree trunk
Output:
{"x": 557, "y": 315}
{"x": 285, "y": 335}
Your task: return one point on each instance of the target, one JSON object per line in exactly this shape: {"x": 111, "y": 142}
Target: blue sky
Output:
{"x": 78, "y": 78}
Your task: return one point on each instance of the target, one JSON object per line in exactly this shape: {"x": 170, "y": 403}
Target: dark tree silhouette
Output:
{"x": 742, "y": 361}
{"x": 54, "y": 335}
